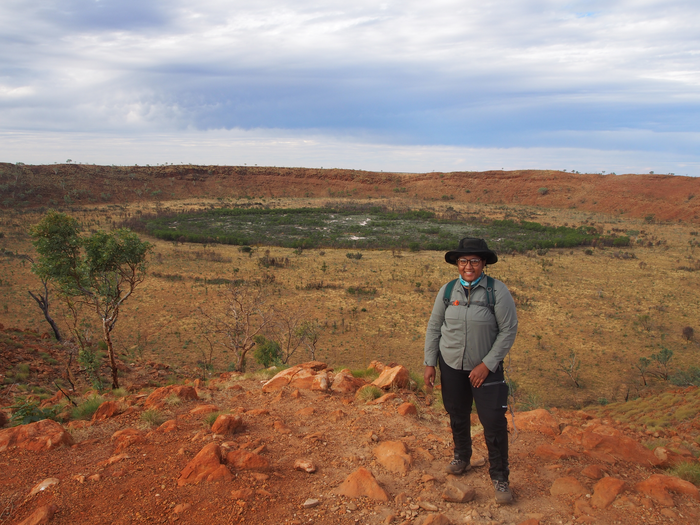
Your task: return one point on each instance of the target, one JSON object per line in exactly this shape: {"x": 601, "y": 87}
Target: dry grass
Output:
{"x": 568, "y": 301}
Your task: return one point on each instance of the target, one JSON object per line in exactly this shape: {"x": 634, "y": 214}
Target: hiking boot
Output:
{"x": 503, "y": 493}
{"x": 457, "y": 467}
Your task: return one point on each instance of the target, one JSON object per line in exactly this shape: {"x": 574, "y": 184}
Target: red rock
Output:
{"x": 306, "y": 412}
{"x": 37, "y": 437}
{"x": 303, "y": 379}
{"x": 394, "y": 456}
{"x": 245, "y": 460}
{"x": 205, "y": 466}
{"x": 658, "y": 485}
{"x": 345, "y": 383}
{"x": 106, "y": 410}
{"x": 40, "y": 516}
{"x": 602, "y": 438}
{"x": 305, "y": 465}
{"x": 458, "y": 492}
{"x": 396, "y": 377}
{"x": 258, "y": 412}
{"x": 158, "y": 396}
{"x": 567, "y": 486}
{"x": 321, "y": 383}
{"x": 226, "y": 424}
{"x": 582, "y": 507}
{"x": 593, "y": 472}
{"x": 242, "y": 494}
{"x": 316, "y": 366}
{"x": 531, "y": 521}
{"x": 281, "y": 379}
{"x": 376, "y": 366}
{"x": 40, "y": 487}
{"x": 337, "y": 415}
{"x": 127, "y": 437}
{"x": 58, "y": 396}
{"x": 605, "y": 492}
{"x": 204, "y": 409}
{"x": 182, "y": 507}
{"x": 280, "y": 427}
{"x": 407, "y": 409}
{"x": 437, "y": 519}
{"x": 362, "y": 483}
{"x": 168, "y": 426}
{"x": 535, "y": 421}
{"x": 4, "y": 420}
{"x": 555, "y": 452}
{"x": 569, "y": 436}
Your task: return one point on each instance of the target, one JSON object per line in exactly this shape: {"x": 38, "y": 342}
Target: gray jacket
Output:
{"x": 468, "y": 333}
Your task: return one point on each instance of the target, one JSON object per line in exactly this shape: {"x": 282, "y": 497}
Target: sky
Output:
{"x": 409, "y": 86}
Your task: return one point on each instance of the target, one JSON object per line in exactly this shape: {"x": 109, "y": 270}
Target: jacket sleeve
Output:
{"x": 507, "y": 319}
{"x": 434, "y": 330}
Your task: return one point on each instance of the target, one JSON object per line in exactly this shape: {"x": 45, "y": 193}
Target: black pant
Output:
{"x": 491, "y": 400}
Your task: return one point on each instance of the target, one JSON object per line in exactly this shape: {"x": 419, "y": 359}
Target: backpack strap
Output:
{"x": 491, "y": 294}
{"x": 448, "y": 292}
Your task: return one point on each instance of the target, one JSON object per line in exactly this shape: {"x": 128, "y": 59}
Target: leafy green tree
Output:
{"x": 662, "y": 359}
{"x": 101, "y": 270}
{"x": 267, "y": 352}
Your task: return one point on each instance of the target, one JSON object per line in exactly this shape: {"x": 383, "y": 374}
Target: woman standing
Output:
{"x": 471, "y": 329}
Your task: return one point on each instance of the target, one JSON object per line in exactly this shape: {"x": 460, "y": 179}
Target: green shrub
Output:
{"x": 687, "y": 471}
{"x": 357, "y": 256}
{"x": 370, "y": 393}
{"x": 152, "y": 417}
{"x": 370, "y": 374}
{"x": 26, "y": 411}
{"x": 22, "y": 373}
{"x": 87, "y": 408}
{"x": 690, "y": 377}
{"x": 210, "y": 418}
{"x": 267, "y": 352}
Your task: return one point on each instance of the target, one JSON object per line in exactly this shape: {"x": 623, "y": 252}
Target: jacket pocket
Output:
{"x": 492, "y": 395}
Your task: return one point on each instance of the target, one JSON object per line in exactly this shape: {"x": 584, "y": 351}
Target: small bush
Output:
{"x": 87, "y": 408}
{"x": 414, "y": 246}
{"x": 120, "y": 392}
{"x": 370, "y": 374}
{"x": 22, "y": 373}
{"x": 688, "y": 333}
{"x": 267, "y": 352}
{"x": 370, "y": 393}
{"x": 357, "y": 256}
{"x": 152, "y": 417}
{"x": 172, "y": 400}
{"x": 26, "y": 411}
{"x": 688, "y": 377}
{"x": 361, "y": 290}
{"x": 687, "y": 471}
{"x": 543, "y": 191}
{"x": 210, "y": 418}
{"x": 588, "y": 251}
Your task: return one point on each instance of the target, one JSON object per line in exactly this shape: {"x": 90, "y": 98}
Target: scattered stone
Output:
{"x": 106, "y": 410}
{"x": 605, "y": 492}
{"x": 281, "y": 427}
{"x": 243, "y": 494}
{"x": 437, "y": 519}
{"x": 593, "y": 472}
{"x": 477, "y": 461}
{"x": 427, "y": 506}
{"x": 36, "y": 437}
{"x": 396, "y": 377}
{"x": 427, "y": 478}
{"x": 345, "y": 383}
{"x": 40, "y": 516}
{"x": 458, "y": 493}
{"x": 389, "y": 396}
{"x": 182, "y": 507}
{"x": 205, "y": 466}
{"x": 658, "y": 485}
{"x": 226, "y": 424}
{"x": 407, "y": 409}
{"x": 168, "y": 426}
{"x": 295, "y": 395}
{"x": 310, "y": 503}
{"x": 40, "y": 487}
{"x": 264, "y": 493}
{"x": 305, "y": 465}
{"x": 609, "y": 440}
{"x": 401, "y": 498}
{"x": 158, "y": 396}
{"x": 394, "y": 456}
{"x": 567, "y": 486}
{"x": 245, "y": 460}
{"x": 306, "y": 412}
{"x": 376, "y": 366}
{"x": 337, "y": 415}
{"x": 115, "y": 459}
{"x": 259, "y": 476}
{"x": 530, "y": 521}
{"x": 126, "y": 438}
{"x": 95, "y": 477}
{"x": 362, "y": 483}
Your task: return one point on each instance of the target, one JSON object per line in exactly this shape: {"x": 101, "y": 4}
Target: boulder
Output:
{"x": 245, "y": 460}
{"x": 205, "y": 466}
{"x": 37, "y": 437}
{"x": 609, "y": 440}
{"x": 376, "y": 366}
{"x": 226, "y": 424}
{"x": 204, "y": 409}
{"x": 106, "y": 410}
{"x": 658, "y": 485}
{"x": 535, "y": 421}
{"x": 407, "y": 409}
{"x": 126, "y": 438}
{"x": 389, "y": 396}
{"x": 605, "y": 492}
{"x": 281, "y": 379}
{"x": 158, "y": 396}
{"x": 362, "y": 483}
{"x": 394, "y": 456}
{"x": 593, "y": 472}
{"x": 345, "y": 383}
{"x": 303, "y": 379}
{"x": 321, "y": 382}
{"x": 396, "y": 377}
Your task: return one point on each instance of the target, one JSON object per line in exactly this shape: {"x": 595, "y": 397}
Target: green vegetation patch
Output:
{"x": 362, "y": 227}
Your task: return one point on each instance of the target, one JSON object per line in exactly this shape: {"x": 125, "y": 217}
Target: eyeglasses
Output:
{"x": 474, "y": 262}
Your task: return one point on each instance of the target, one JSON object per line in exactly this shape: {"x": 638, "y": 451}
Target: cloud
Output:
{"x": 508, "y": 74}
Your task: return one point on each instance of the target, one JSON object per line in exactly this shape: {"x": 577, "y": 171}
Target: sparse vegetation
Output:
{"x": 87, "y": 408}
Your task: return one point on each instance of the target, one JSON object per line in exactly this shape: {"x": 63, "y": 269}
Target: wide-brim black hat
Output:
{"x": 470, "y": 246}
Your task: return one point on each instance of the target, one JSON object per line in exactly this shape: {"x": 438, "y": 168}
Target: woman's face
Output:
{"x": 468, "y": 269}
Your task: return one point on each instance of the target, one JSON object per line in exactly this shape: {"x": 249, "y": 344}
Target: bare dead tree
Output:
{"x": 245, "y": 314}
{"x": 571, "y": 367}
{"x": 287, "y": 330}
{"x": 312, "y": 333}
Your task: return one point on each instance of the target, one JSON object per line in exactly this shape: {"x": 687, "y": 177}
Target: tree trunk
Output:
{"x": 43, "y": 302}
{"x": 110, "y": 353}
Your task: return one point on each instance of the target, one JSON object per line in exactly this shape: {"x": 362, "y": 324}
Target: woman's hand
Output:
{"x": 429, "y": 376}
{"x": 478, "y": 375}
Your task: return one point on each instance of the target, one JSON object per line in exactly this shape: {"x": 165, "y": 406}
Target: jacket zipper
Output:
{"x": 493, "y": 383}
